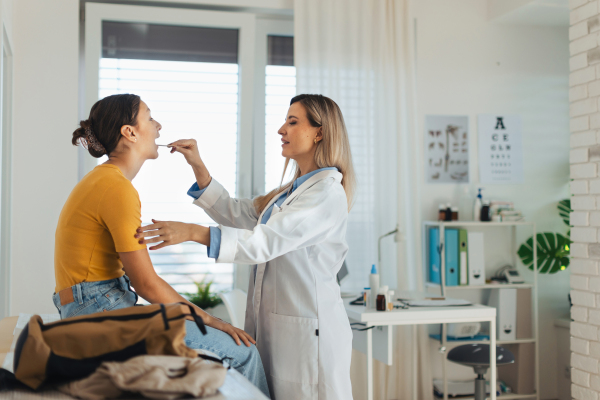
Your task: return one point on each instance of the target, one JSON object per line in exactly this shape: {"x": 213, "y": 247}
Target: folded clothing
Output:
{"x": 155, "y": 377}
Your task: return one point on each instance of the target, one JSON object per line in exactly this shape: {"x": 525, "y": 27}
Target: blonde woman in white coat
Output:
{"x": 295, "y": 239}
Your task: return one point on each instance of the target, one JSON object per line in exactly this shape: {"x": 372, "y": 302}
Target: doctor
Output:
{"x": 295, "y": 237}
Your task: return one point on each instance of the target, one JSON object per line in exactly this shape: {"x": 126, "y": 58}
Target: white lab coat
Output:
{"x": 294, "y": 308}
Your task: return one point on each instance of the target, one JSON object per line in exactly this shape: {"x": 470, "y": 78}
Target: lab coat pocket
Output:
{"x": 295, "y": 349}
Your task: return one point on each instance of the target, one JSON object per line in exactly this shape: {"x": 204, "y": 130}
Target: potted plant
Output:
{"x": 552, "y": 247}
{"x": 209, "y": 302}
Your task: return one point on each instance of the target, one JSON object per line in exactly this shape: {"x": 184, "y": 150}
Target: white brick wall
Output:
{"x": 584, "y": 98}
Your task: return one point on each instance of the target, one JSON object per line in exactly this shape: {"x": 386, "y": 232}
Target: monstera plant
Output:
{"x": 552, "y": 247}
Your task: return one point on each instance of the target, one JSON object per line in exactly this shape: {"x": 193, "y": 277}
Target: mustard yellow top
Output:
{"x": 98, "y": 220}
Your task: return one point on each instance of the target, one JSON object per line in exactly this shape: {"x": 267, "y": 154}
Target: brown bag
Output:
{"x": 73, "y": 348}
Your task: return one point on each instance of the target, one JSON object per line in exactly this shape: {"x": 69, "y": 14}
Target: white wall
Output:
{"x": 467, "y": 65}
{"x": 46, "y": 37}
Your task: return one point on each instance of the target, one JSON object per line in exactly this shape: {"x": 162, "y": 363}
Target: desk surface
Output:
{"x": 420, "y": 315}
{"x": 236, "y": 387}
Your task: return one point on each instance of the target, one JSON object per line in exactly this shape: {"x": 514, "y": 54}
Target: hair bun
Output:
{"x": 85, "y": 135}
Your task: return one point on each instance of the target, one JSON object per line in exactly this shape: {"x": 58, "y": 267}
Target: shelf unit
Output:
{"x": 442, "y": 225}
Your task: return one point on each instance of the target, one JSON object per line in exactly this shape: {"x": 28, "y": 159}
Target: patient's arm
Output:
{"x": 154, "y": 289}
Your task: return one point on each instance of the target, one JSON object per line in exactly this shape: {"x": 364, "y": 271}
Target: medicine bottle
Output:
{"x": 381, "y": 300}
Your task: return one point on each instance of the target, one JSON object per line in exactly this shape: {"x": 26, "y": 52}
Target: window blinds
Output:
{"x": 191, "y": 98}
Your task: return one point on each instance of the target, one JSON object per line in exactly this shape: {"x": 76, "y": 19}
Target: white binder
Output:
{"x": 476, "y": 264}
{"x": 505, "y": 302}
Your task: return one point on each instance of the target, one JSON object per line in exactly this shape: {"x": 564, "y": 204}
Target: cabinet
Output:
{"x": 523, "y": 376}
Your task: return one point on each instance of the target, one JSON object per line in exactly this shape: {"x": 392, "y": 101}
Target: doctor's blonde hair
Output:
{"x": 332, "y": 151}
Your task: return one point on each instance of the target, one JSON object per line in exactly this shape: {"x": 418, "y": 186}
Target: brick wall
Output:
{"x": 584, "y": 98}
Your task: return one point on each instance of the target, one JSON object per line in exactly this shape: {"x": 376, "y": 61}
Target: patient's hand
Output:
{"x": 235, "y": 333}
{"x": 167, "y": 233}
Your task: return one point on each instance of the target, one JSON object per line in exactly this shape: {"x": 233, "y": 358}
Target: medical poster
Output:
{"x": 447, "y": 149}
{"x": 500, "y": 149}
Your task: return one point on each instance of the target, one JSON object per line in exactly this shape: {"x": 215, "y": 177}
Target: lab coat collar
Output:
{"x": 327, "y": 173}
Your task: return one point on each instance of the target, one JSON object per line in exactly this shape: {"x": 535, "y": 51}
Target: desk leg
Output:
{"x": 493, "y": 358}
{"x": 369, "y": 363}
{"x": 415, "y": 352}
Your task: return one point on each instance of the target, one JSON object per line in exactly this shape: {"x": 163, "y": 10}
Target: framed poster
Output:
{"x": 500, "y": 149}
{"x": 447, "y": 149}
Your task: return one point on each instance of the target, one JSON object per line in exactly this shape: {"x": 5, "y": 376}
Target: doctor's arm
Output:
{"x": 154, "y": 289}
{"x": 211, "y": 196}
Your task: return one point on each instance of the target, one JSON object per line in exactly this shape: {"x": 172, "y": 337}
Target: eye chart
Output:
{"x": 500, "y": 149}
{"x": 447, "y": 149}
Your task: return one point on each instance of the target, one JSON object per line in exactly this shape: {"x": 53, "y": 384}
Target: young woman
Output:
{"x": 295, "y": 236}
{"x": 96, "y": 255}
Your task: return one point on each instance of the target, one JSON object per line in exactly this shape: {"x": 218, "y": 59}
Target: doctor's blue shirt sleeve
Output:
{"x": 215, "y": 242}
{"x": 195, "y": 191}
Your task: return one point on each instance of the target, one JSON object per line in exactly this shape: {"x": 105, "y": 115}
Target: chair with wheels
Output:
{"x": 478, "y": 357}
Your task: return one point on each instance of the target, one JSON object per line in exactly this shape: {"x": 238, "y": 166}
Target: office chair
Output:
{"x": 478, "y": 357}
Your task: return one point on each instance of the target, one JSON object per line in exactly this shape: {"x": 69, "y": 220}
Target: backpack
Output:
{"x": 74, "y": 348}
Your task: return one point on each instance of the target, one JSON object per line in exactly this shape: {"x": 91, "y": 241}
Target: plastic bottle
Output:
{"x": 477, "y": 207}
{"x": 374, "y": 285}
{"x": 390, "y": 304}
{"x": 448, "y": 212}
{"x": 465, "y": 210}
{"x": 367, "y": 297}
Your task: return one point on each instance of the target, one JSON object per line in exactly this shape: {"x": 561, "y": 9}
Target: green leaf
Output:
{"x": 552, "y": 254}
{"x": 564, "y": 209}
{"x": 203, "y": 298}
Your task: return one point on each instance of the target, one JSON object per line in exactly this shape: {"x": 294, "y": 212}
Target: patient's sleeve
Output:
{"x": 120, "y": 210}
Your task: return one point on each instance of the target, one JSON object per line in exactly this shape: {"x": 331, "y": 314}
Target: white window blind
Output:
{"x": 191, "y": 99}
{"x": 280, "y": 88}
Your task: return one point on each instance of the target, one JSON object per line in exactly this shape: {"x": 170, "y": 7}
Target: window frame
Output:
{"x": 252, "y": 61}
{"x": 264, "y": 28}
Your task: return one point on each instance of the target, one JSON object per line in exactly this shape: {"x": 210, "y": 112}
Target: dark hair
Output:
{"x": 101, "y": 132}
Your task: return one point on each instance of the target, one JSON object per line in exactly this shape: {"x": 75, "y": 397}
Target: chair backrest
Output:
{"x": 235, "y": 301}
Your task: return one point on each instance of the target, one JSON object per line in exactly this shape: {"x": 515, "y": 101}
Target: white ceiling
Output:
{"x": 530, "y": 12}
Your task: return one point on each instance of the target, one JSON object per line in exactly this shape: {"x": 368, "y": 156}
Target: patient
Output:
{"x": 96, "y": 256}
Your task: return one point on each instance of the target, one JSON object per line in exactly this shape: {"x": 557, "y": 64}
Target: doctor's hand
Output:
{"x": 235, "y": 333}
{"x": 168, "y": 233}
{"x": 189, "y": 149}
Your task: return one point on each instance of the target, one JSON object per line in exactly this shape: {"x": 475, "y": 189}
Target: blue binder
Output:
{"x": 434, "y": 256}
{"x": 452, "y": 257}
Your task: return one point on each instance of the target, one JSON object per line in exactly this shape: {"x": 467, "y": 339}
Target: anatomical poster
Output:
{"x": 500, "y": 149}
{"x": 447, "y": 149}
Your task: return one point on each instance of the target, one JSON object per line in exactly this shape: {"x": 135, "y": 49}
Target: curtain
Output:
{"x": 360, "y": 53}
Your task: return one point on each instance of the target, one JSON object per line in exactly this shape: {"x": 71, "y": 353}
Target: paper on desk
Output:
{"x": 21, "y": 322}
{"x": 437, "y": 303}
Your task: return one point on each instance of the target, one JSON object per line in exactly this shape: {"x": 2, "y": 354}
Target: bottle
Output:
{"x": 382, "y": 299}
{"x": 485, "y": 211}
{"x": 441, "y": 212}
{"x": 390, "y": 304}
{"x": 448, "y": 212}
{"x": 374, "y": 284}
{"x": 454, "y": 213}
{"x": 367, "y": 297}
{"x": 465, "y": 211}
{"x": 477, "y": 207}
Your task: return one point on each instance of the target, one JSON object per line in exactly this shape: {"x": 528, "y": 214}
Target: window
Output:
{"x": 203, "y": 74}
{"x": 188, "y": 76}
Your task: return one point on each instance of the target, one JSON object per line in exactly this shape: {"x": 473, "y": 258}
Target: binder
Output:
{"x": 452, "y": 258}
{"x": 434, "y": 256}
{"x": 476, "y": 259}
{"x": 463, "y": 273}
{"x": 505, "y": 302}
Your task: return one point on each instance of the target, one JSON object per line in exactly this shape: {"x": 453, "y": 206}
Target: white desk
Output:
{"x": 419, "y": 316}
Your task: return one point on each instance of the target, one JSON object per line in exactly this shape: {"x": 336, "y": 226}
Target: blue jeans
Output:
{"x": 93, "y": 297}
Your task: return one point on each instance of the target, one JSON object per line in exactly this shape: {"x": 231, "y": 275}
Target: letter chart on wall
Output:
{"x": 500, "y": 149}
